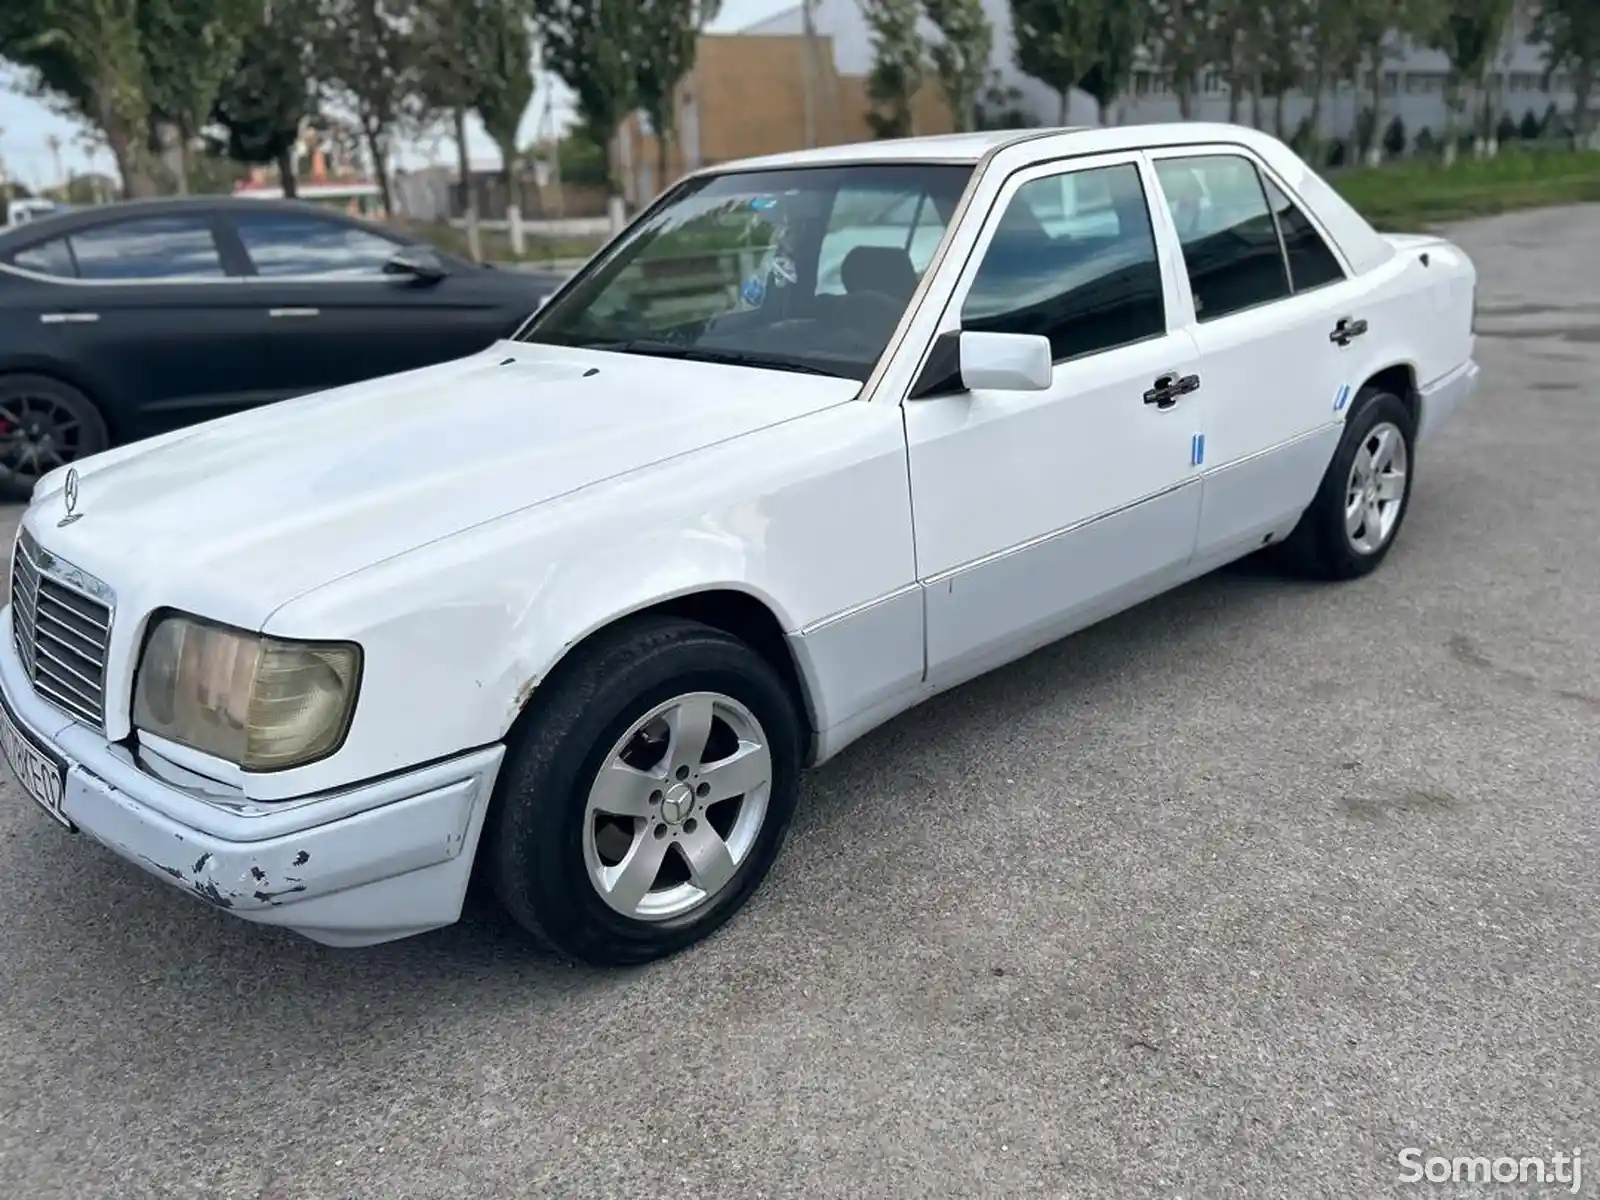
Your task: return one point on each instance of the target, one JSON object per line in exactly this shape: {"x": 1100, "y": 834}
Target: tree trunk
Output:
{"x": 1065, "y": 95}
{"x": 663, "y": 153}
{"x": 380, "y": 164}
{"x": 1582, "y": 89}
{"x": 1103, "y": 109}
{"x": 1235, "y": 97}
{"x": 1313, "y": 150}
{"x": 1374, "y": 148}
{"x": 508, "y": 168}
{"x": 183, "y": 161}
{"x": 1184, "y": 89}
{"x": 286, "y": 178}
{"x": 1255, "y": 102}
{"x": 469, "y": 194}
{"x": 1279, "y": 129}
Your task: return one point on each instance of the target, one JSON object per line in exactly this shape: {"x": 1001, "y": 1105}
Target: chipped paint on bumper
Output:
{"x": 367, "y": 864}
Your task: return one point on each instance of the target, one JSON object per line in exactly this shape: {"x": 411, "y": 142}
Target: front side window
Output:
{"x": 1230, "y": 241}
{"x": 173, "y": 247}
{"x": 47, "y": 258}
{"x": 805, "y": 270}
{"x": 281, "y": 244}
{"x": 1074, "y": 259}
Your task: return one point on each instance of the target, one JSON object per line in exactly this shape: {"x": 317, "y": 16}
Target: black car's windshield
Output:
{"x": 802, "y": 270}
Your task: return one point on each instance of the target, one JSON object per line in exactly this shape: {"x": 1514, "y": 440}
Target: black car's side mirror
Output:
{"x": 421, "y": 264}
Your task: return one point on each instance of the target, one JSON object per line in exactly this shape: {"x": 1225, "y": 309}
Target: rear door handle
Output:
{"x": 1347, "y": 330}
{"x": 1169, "y": 387}
{"x": 294, "y": 312}
{"x": 68, "y": 318}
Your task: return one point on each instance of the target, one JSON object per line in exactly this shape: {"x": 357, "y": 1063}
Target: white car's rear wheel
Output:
{"x": 1353, "y": 521}
{"x": 646, "y": 792}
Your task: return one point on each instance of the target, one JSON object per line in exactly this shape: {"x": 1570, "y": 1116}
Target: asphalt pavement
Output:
{"x": 1238, "y": 894}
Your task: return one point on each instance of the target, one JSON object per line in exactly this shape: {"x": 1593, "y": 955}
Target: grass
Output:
{"x": 1411, "y": 196}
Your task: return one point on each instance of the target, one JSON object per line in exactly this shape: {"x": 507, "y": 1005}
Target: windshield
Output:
{"x": 802, "y": 270}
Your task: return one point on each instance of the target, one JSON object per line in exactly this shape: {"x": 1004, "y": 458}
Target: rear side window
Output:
{"x": 1230, "y": 241}
{"x": 47, "y": 258}
{"x": 1311, "y": 263}
{"x": 1074, "y": 259}
{"x": 175, "y": 247}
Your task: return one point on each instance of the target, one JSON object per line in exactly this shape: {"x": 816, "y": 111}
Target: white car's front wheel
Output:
{"x": 646, "y": 792}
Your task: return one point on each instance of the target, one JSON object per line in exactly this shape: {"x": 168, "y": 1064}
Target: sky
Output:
{"x": 27, "y": 125}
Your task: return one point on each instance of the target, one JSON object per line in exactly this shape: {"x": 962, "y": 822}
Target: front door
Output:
{"x": 331, "y": 316}
{"x": 1038, "y": 512}
{"x": 1262, "y": 297}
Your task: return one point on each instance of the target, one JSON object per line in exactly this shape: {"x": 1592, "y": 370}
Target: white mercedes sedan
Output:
{"x": 816, "y": 437}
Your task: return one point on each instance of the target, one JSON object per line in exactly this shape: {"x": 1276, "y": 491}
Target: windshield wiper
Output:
{"x": 732, "y": 358}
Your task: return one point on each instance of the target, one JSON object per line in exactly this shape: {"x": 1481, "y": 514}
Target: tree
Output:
{"x": 1057, "y": 42}
{"x": 1182, "y": 37}
{"x": 961, "y": 56}
{"x": 671, "y": 38}
{"x": 1570, "y": 32}
{"x": 189, "y": 48}
{"x": 87, "y": 57}
{"x": 899, "y": 64}
{"x": 1468, "y": 36}
{"x": 270, "y": 93}
{"x": 1122, "y": 30}
{"x": 503, "y": 97}
{"x": 1374, "y": 23}
{"x": 592, "y": 46}
{"x": 1278, "y": 51}
{"x": 371, "y": 67}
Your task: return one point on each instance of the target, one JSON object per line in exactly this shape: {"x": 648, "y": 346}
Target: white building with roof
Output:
{"x": 1414, "y": 80}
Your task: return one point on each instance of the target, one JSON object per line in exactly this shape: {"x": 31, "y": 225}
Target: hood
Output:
{"x": 245, "y": 513}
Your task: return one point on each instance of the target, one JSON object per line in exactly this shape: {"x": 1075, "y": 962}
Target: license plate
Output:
{"x": 42, "y": 775}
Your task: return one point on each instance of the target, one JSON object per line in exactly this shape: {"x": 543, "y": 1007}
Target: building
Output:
{"x": 749, "y": 94}
{"x": 1414, "y": 79}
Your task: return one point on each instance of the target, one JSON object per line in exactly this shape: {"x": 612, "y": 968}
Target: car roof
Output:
{"x": 57, "y": 223}
{"x": 971, "y": 148}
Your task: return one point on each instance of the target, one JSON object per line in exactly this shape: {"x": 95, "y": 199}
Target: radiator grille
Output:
{"x": 61, "y": 628}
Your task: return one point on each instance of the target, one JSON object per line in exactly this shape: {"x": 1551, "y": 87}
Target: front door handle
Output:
{"x": 1347, "y": 330}
{"x": 1169, "y": 387}
{"x": 68, "y": 318}
{"x": 293, "y": 312}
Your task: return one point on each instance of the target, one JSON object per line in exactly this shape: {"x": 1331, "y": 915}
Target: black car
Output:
{"x": 121, "y": 322}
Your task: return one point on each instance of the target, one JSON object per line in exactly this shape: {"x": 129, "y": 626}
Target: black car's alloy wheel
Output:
{"x": 44, "y": 424}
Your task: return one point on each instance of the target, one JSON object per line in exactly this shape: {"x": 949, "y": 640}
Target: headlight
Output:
{"x": 259, "y": 702}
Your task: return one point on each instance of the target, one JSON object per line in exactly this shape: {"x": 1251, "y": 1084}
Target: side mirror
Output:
{"x": 420, "y": 263}
{"x": 1005, "y": 362}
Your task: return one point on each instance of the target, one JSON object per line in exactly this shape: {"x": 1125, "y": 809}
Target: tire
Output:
{"x": 44, "y": 424}
{"x": 1324, "y": 545}
{"x": 548, "y": 851}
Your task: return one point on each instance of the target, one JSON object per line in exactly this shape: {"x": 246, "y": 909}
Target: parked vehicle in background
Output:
{"x": 128, "y": 320}
{"x": 20, "y": 212}
{"x": 574, "y": 611}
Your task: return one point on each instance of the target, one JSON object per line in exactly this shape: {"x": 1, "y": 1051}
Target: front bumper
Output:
{"x": 1444, "y": 395}
{"x": 365, "y": 864}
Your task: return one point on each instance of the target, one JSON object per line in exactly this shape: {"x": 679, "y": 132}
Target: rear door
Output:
{"x": 145, "y": 313}
{"x": 1264, "y": 295}
{"x": 331, "y": 314}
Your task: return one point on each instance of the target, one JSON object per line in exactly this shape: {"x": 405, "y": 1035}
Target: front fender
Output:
{"x": 811, "y": 518}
